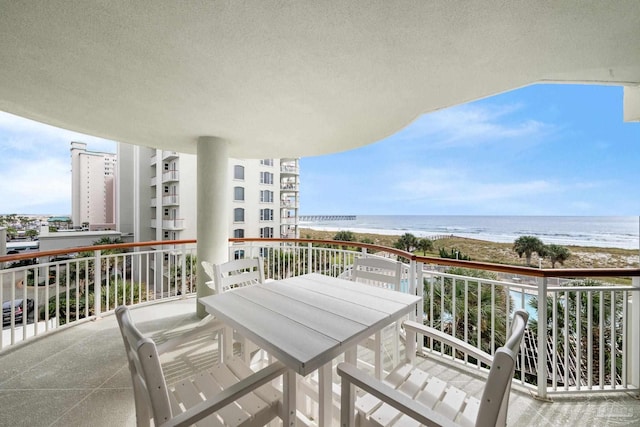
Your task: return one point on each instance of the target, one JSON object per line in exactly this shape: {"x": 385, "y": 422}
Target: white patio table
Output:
{"x": 306, "y": 322}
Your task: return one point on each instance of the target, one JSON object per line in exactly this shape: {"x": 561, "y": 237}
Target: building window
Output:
{"x": 166, "y": 189}
{"x": 266, "y": 214}
{"x": 166, "y": 234}
{"x": 266, "y": 162}
{"x": 238, "y": 194}
{"x": 238, "y": 254}
{"x": 166, "y": 166}
{"x": 238, "y": 233}
{"x": 238, "y": 215}
{"x": 266, "y": 232}
{"x": 266, "y": 178}
{"x": 238, "y": 172}
{"x": 266, "y": 196}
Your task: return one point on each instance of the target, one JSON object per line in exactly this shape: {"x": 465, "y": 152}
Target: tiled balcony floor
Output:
{"x": 79, "y": 377}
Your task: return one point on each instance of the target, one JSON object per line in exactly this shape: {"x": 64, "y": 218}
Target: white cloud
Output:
{"x": 472, "y": 124}
{"x": 457, "y": 187}
{"x": 20, "y": 134}
{"x": 35, "y": 165}
{"x": 36, "y": 186}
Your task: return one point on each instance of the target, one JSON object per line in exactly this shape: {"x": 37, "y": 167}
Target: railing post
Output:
{"x": 420, "y": 293}
{"x": 97, "y": 283}
{"x": 183, "y": 279}
{"x": 311, "y": 265}
{"x": 542, "y": 339}
{"x": 633, "y": 333}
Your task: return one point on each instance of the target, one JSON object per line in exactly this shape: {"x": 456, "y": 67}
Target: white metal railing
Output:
{"x": 170, "y": 199}
{"x": 583, "y": 335}
{"x": 90, "y": 283}
{"x": 171, "y": 175}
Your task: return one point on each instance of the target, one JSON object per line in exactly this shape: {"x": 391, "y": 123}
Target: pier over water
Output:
{"x": 311, "y": 218}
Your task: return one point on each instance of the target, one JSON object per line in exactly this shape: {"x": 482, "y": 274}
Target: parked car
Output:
{"x": 19, "y": 308}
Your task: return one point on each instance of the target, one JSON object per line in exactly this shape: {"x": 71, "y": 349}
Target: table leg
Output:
{"x": 227, "y": 344}
{"x": 325, "y": 395}
{"x": 289, "y": 399}
{"x": 348, "y": 399}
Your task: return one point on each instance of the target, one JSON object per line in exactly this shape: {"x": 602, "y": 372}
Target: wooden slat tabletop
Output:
{"x": 306, "y": 321}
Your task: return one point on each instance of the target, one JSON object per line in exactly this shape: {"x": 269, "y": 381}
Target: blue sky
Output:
{"x": 539, "y": 150}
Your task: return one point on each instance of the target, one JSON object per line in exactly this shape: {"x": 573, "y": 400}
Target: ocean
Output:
{"x": 597, "y": 231}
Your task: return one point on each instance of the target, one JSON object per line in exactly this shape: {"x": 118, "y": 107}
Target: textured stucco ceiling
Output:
{"x": 281, "y": 79}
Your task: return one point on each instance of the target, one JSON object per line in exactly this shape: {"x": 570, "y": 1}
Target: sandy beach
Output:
{"x": 502, "y": 253}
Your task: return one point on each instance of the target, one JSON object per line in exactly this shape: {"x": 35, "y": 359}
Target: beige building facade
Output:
{"x": 93, "y": 193}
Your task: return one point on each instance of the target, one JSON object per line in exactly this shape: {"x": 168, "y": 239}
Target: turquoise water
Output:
{"x": 516, "y": 297}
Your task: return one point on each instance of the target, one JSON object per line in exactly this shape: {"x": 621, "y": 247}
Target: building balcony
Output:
{"x": 170, "y": 200}
{"x": 286, "y": 187}
{"x": 288, "y": 220}
{"x": 77, "y": 375}
{"x": 169, "y": 176}
{"x": 289, "y": 170}
{"x": 169, "y": 155}
{"x": 173, "y": 224}
{"x": 289, "y": 203}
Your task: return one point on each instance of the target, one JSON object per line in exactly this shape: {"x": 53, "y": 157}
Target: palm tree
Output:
{"x": 527, "y": 245}
{"x": 425, "y": 245}
{"x": 407, "y": 242}
{"x": 557, "y": 253}
{"x": 345, "y": 236}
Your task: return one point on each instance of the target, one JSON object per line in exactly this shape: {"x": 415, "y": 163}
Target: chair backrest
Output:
{"x": 208, "y": 269}
{"x": 495, "y": 398}
{"x": 149, "y": 386}
{"x": 378, "y": 272}
{"x": 238, "y": 273}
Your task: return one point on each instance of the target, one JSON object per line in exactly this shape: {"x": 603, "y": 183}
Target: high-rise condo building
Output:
{"x": 157, "y": 195}
{"x": 92, "y": 187}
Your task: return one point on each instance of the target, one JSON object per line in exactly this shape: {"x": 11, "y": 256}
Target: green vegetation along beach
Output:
{"x": 503, "y": 253}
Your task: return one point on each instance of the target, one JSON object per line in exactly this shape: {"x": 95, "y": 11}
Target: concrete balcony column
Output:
{"x": 214, "y": 200}
{"x": 631, "y": 103}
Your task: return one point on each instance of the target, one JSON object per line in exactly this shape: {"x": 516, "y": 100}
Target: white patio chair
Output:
{"x": 233, "y": 274}
{"x": 377, "y": 272}
{"x": 409, "y": 396}
{"x": 228, "y": 394}
{"x": 383, "y": 273}
{"x": 238, "y": 273}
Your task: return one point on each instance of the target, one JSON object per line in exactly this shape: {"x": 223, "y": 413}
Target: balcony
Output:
{"x": 169, "y": 155}
{"x": 286, "y": 186}
{"x": 169, "y": 176}
{"x": 289, "y": 169}
{"x": 81, "y": 368}
{"x": 170, "y": 200}
{"x": 173, "y": 224}
{"x": 288, "y": 220}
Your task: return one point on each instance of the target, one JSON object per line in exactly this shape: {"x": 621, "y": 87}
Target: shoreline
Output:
{"x": 500, "y": 253}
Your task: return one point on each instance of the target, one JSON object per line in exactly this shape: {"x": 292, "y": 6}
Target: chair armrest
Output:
{"x": 208, "y": 324}
{"x": 447, "y": 339}
{"x": 382, "y": 391}
{"x": 228, "y": 395}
